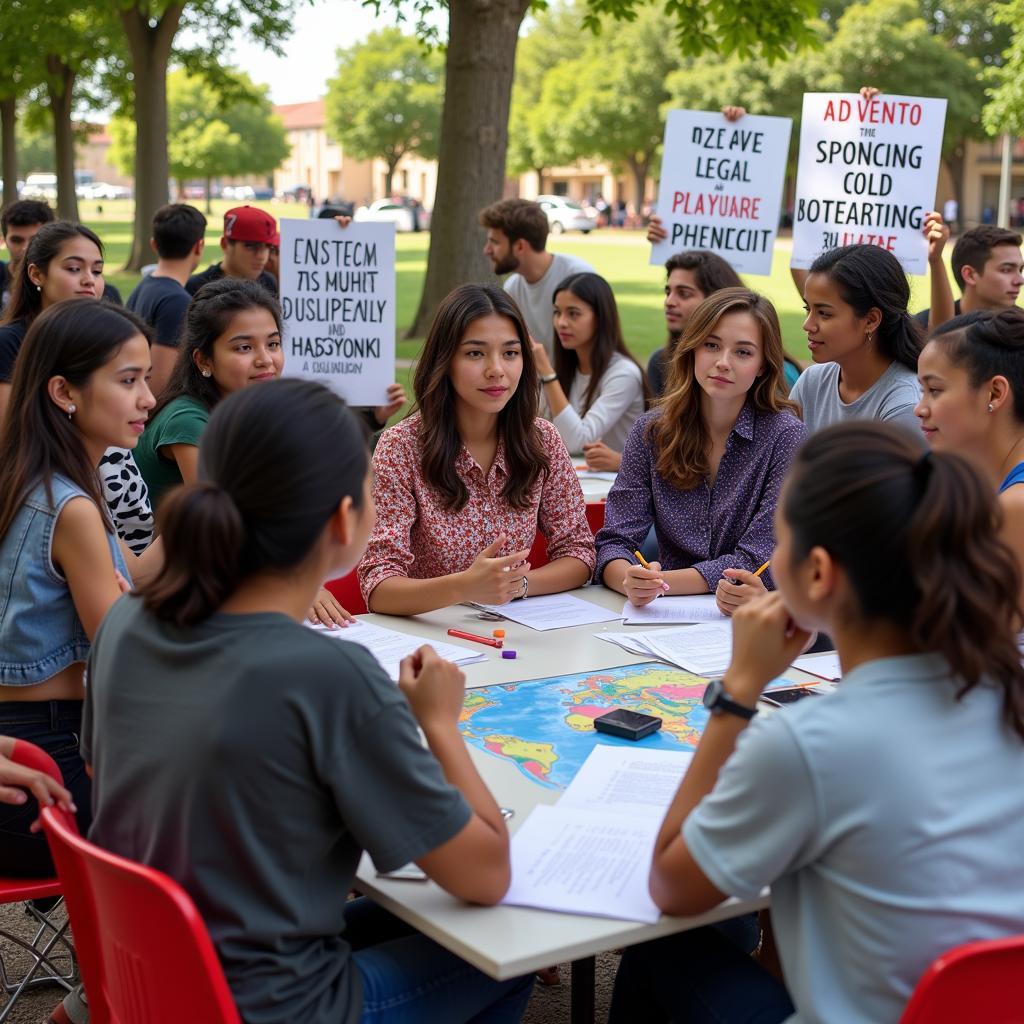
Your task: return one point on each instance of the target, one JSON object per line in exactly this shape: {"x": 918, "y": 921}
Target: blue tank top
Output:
{"x": 40, "y": 632}
{"x": 1015, "y": 476}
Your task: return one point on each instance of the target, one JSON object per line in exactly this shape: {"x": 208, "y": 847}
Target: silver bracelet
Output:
{"x": 526, "y": 590}
{"x": 549, "y": 379}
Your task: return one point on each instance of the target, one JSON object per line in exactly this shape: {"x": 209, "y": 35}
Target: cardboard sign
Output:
{"x": 867, "y": 174}
{"x": 721, "y": 186}
{"x": 338, "y": 305}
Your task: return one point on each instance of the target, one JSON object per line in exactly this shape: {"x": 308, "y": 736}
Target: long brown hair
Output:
{"x": 72, "y": 339}
{"x": 918, "y": 537}
{"x": 597, "y": 293}
{"x": 679, "y": 435}
{"x": 435, "y": 400}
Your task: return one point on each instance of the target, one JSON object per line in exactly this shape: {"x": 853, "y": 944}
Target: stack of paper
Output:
{"x": 704, "y": 649}
{"x": 389, "y": 646}
{"x": 824, "y": 665}
{"x": 591, "y": 852}
{"x": 696, "y": 608}
{"x": 552, "y": 611}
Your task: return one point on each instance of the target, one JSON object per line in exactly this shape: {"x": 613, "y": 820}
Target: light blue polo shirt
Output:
{"x": 888, "y": 819}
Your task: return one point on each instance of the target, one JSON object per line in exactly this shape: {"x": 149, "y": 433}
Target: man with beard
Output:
{"x": 517, "y": 236}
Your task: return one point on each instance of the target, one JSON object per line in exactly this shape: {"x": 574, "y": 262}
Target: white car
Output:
{"x": 387, "y": 211}
{"x": 565, "y": 215}
{"x": 40, "y": 186}
{"x": 102, "y": 190}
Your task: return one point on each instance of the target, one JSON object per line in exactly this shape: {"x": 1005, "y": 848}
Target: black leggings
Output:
{"x": 54, "y": 725}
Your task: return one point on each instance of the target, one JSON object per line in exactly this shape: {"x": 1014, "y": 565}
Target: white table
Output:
{"x": 505, "y": 942}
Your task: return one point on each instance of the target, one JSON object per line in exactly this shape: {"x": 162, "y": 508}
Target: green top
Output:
{"x": 179, "y": 422}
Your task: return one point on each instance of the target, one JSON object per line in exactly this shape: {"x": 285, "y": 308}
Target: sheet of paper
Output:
{"x": 632, "y": 642}
{"x": 699, "y": 608}
{"x": 580, "y": 861}
{"x": 389, "y": 646}
{"x": 825, "y": 665}
{"x": 552, "y": 611}
{"x": 628, "y": 781}
{"x": 704, "y": 649}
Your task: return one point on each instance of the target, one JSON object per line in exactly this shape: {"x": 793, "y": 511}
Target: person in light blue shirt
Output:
{"x": 888, "y": 817}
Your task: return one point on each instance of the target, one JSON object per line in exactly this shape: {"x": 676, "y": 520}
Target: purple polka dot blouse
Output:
{"x": 728, "y": 525}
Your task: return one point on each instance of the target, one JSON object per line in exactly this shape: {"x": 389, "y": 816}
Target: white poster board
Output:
{"x": 867, "y": 174}
{"x": 338, "y": 306}
{"x": 721, "y": 186}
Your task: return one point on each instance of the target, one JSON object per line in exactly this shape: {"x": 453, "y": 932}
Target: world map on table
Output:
{"x": 545, "y": 727}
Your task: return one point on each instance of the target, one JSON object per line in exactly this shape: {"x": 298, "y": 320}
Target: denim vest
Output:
{"x": 40, "y": 632}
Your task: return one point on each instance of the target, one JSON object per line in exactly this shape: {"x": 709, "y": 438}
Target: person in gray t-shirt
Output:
{"x": 254, "y": 760}
{"x": 517, "y": 236}
{"x": 863, "y": 339}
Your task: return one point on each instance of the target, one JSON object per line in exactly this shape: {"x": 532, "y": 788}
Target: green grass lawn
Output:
{"x": 620, "y": 256}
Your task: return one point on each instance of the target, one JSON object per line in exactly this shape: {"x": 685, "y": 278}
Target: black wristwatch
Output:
{"x": 717, "y": 701}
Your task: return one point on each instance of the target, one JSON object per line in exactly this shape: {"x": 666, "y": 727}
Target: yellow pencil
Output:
{"x": 643, "y": 561}
{"x": 763, "y": 567}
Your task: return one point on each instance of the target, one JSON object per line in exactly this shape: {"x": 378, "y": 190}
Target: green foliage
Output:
{"x": 386, "y": 98}
{"x": 211, "y": 134}
{"x": 1004, "y": 111}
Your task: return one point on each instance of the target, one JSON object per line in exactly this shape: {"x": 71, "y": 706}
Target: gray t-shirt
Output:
{"x": 253, "y": 760}
{"x": 537, "y": 301}
{"x": 888, "y": 818}
{"x": 891, "y": 398}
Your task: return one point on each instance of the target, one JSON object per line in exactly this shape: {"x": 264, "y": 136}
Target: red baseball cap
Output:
{"x": 248, "y": 224}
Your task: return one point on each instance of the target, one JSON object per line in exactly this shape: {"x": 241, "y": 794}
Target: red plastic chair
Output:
{"x": 44, "y": 968}
{"x": 145, "y": 952}
{"x": 979, "y": 981}
{"x": 347, "y": 593}
{"x": 539, "y": 552}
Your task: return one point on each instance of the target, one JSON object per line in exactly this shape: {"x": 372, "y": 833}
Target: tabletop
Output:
{"x": 502, "y": 941}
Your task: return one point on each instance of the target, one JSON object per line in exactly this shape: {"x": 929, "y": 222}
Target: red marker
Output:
{"x": 478, "y": 639}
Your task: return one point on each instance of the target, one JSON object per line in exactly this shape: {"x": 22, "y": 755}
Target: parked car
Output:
{"x": 104, "y": 190}
{"x": 40, "y": 186}
{"x": 388, "y": 211}
{"x": 565, "y": 215}
{"x": 262, "y": 192}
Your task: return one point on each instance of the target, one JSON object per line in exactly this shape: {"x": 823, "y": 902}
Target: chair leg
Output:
{"x": 45, "y": 969}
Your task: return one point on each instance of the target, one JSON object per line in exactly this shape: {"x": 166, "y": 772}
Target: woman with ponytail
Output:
{"x": 862, "y": 339}
{"x": 887, "y": 817}
{"x": 255, "y": 760}
{"x": 972, "y": 403}
{"x": 79, "y": 388}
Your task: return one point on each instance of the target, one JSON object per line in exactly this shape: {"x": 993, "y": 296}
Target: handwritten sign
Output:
{"x": 721, "y": 186}
{"x": 338, "y": 306}
{"x": 867, "y": 174}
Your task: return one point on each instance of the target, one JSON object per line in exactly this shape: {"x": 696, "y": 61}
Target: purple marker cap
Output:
{"x": 508, "y": 654}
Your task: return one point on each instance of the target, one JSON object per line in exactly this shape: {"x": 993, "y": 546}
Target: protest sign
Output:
{"x": 721, "y": 186}
{"x": 338, "y": 306}
{"x": 867, "y": 174}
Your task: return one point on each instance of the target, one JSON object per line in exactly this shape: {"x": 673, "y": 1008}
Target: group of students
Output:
{"x": 886, "y": 817}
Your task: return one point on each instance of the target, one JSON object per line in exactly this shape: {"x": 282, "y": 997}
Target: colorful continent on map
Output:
{"x": 545, "y": 727}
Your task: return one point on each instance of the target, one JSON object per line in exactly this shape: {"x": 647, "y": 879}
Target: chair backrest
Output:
{"x": 539, "y": 552}
{"x": 146, "y": 954}
{"x": 979, "y": 981}
{"x": 347, "y": 593}
{"x": 30, "y": 756}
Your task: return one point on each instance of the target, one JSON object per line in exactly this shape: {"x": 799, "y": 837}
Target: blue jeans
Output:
{"x": 410, "y": 978}
{"x": 54, "y": 725}
{"x": 704, "y": 976}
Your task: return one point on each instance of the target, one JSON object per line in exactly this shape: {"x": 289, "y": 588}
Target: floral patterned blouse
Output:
{"x": 418, "y": 537}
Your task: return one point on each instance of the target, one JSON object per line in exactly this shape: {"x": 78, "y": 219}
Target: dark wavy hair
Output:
{"x": 72, "y": 339}
{"x": 435, "y": 399}
{"x": 869, "y": 277}
{"x": 918, "y": 537}
{"x": 275, "y": 463}
{"x": 26, "y": 301}
{"x": 208, "y": 316}
{"x": 597, "y": 293}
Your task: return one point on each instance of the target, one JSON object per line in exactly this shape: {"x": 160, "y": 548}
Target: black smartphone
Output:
{"x": 789, "y": 695}
{"x": 630, "y": 725}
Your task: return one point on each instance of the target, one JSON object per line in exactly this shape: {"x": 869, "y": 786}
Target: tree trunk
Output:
{"x": 389, "y": 177}
{"x": 59, "y": 83}
{"x": 208, "y": 190}
{"x": 474, "y": 136}
{"x": 955, "y": 161}
{"x": 8, "y": 119}
{"x": 150, "y": 46}
{"x": 639, "y": 169}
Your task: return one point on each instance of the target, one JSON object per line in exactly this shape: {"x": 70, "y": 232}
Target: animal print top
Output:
{"x": 127, "y": 498}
